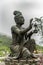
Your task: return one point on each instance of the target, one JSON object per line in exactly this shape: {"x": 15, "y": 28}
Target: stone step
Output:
{"x": 11, "y": 61}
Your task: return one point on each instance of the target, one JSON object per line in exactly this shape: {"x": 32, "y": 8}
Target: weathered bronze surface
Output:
{"x": 22, "y": 45}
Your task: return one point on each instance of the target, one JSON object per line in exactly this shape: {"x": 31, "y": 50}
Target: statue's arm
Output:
{"x": 28, "y": 28}
{"x": 17, "y": 31}
{"x": 29, "y": 34}
{"x": 25, "y": 30}
{"x": 22, "y": 31}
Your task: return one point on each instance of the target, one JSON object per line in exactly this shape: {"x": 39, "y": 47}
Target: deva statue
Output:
{"x": 20, "y": 38}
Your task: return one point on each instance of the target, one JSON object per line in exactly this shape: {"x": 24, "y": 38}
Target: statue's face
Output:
{"x": 20, "y": 20}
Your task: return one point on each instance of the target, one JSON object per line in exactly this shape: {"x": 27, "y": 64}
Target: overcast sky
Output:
{"x": 29, "y": 9}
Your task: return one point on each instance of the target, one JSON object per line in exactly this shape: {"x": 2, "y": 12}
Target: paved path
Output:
{"x": 2, "y": 63}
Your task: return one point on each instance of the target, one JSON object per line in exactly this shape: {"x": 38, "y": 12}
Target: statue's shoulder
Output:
{"x": 13, "y": 27}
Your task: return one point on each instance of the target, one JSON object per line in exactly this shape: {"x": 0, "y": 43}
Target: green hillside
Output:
{"x": 40, "y": 48}
{"x": 5, "y": 42}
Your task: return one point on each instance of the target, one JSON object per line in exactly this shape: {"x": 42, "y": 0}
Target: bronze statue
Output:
{"x": 20, "y": 37}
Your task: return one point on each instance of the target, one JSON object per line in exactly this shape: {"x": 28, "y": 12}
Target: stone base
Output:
{"x": 12, "y": 61}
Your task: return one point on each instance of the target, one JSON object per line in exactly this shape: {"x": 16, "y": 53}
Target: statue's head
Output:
{"x": 19, "y": 19}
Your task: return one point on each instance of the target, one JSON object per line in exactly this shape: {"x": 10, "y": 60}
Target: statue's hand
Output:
{"x": 30, "y": 26}
{"x": 30, "y": 23}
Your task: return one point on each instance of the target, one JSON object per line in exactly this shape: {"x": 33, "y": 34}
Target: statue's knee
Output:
{"x": 32, "y": 40}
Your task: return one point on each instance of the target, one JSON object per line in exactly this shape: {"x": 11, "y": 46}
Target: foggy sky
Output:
{"x": 29, "y": 9}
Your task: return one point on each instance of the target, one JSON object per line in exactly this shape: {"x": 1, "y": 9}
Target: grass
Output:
{"x": 4, "y": 50}
{"x": 5, "y": 42}
{"x": 39, "y": 48}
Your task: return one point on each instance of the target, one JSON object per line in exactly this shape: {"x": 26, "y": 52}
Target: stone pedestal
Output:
{"x": 12, "y": 61}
